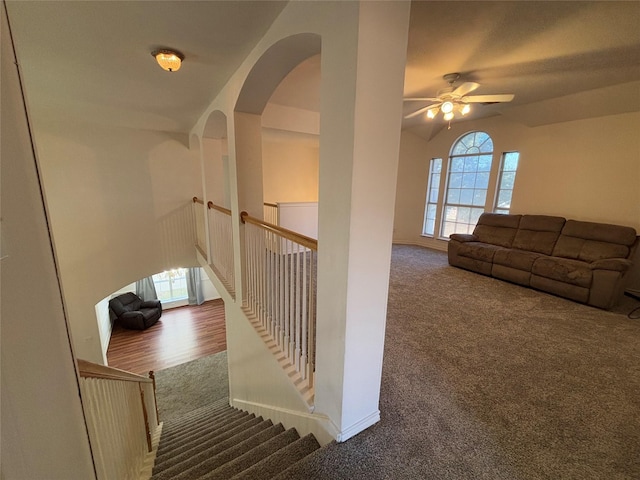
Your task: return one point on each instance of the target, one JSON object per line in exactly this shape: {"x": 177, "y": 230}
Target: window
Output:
{"x": 466, "y": 177}
{"x": 507, "y": 178}
{"x": 171, "y": 285}
{"x": 433, "y": 188}
{"x": 467, "y": 182}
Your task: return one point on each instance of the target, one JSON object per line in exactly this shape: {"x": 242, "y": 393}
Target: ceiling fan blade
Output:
{"x": 422, "y": 110}
{"x": 420, "y": 99}
{"x": 466, "y": 87}
{"x": 506, "y": 97}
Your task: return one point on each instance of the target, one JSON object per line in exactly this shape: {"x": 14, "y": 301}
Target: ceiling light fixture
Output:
{"x": 449, "y": 109}
{"x": 169, "y": 60}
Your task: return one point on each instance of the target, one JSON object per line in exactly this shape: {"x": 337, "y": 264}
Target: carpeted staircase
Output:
{"x": 220, "y": 442}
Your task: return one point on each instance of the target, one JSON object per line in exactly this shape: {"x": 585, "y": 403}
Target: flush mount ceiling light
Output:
{"x": 169, "y": 60}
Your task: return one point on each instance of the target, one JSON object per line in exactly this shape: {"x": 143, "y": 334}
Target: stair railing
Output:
{"x": 271, "y": 213}
{"x": 122, "y": 417}
{"x": 280, "y": 289}
{"x": 221, "y": 239}
{"x": 198, "y": 213}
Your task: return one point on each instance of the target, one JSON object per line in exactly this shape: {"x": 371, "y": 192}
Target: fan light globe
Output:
{"x": 466, "y": 109}
{"x": 447, "y": 107}
{"x": 431, "y": 113}
{"x": 448, "y": 116}
{"x": 169, "y": 60}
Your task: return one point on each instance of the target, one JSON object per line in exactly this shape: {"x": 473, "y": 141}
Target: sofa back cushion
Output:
{"x": 497, "y": 229}
{"x": 588, "y": 241}
{"x": 126, "y": 302}
{"x": 538, "y": 233}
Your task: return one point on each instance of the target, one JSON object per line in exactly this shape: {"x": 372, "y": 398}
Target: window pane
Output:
{"x": 433, "y": 196}
{"x": 457, "y": 165}
{"x": 455, "y": 180}
{"x": 468, "y": 180}
{"x": 470, "y": 164}
{"x": 451, "y": 213}
{"x": 429, "y": 227}
{"x": 453, "y": 196}
{"x": 482, "y": 180}
{"x": 464, "y": 214}
{"x": 431, "y": 211}
{"x": 484, "y": 163}
{"x": 504, "y": 199}
{"x": 479, "y": 197}
{"x": 449, "y": 228}
{"x": 508, "y": 179}
{"x": 437, "y": 165}
{"x": 475, "y": 215}
{"x": 511, "y": 161}
{"x": 466, "y": 196}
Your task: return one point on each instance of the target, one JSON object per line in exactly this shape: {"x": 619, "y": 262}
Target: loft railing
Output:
{"x": 199, "y": 213}
{"x": 122, "y": 418}
{"x": 221, "y": 239}
{"x": 271, "y": 213}
{"x": 280, "y": 290}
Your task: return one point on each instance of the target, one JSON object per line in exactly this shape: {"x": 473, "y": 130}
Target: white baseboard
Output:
{"x": 358, "y": 427}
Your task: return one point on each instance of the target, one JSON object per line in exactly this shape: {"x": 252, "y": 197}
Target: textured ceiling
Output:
{"x": 91, "y": 60}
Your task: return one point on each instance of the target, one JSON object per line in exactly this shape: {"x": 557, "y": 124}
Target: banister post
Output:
{"x": 152, "y": 376}
{"x": 146, "y": 418}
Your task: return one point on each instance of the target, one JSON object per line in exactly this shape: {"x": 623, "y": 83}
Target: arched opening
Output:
{"x": 277, "y": 119}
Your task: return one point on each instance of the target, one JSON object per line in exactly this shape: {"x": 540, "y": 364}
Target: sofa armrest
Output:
{"x": 151, "y": 304}
{"x": 613, "y": 264}
{"x": 463, "y": 237}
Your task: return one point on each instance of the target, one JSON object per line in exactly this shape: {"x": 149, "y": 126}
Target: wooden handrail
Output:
{"x": 197, "y": 200}
{"x": 93, "y": 370}
{"x": 283, "y": 232}
{"x": 267, "y": 204}
{"x": 213, "y": 206}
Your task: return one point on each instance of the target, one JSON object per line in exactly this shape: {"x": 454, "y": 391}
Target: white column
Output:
{"x": 361, "y": 112}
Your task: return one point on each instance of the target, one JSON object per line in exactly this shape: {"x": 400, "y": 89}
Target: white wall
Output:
{"x": 290, "y": 171}
{"x": 120, "y": 204}
{"x": 43, "y": 430}
{"x": 586, "y": 170}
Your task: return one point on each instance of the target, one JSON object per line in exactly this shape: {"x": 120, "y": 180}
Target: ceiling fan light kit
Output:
{"x": 451, "y": 101}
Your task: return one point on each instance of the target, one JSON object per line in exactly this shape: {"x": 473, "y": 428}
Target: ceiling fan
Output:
{"x": 451, "y": 100}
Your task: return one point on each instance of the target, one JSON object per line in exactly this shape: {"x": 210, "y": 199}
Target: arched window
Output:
{"x": 457, "y": 190}
{"x": 467, "y": 182}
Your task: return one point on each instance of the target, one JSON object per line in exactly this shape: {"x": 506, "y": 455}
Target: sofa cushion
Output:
{"x": 518, "y": 259}
{"x": 478, "y": 251}
{"x": 497, "y": 229}
{"x": 589, "y": 241}
{"x": 538, "y": 233}
{"x": 564, "y": 270}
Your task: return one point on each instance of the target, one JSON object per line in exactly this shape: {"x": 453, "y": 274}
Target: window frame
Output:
{"x": 443, "y": 204}
{"x": 499, "y": 188}
{"x": 493, "y": 189}
{"x": 428, "y": 197}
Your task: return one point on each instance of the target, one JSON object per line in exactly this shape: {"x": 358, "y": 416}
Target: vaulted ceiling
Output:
{"x": 91, "y": 60}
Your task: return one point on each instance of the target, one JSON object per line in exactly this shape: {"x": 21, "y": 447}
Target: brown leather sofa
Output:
{"x": 583, "y": 261}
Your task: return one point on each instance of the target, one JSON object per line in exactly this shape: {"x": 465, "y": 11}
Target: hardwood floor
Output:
{"x": 181, "y": 335}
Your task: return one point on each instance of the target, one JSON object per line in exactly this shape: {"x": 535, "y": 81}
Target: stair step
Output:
{"x": 211, "y": 464}
{"x": 211, "y": 408}
{"x": 253, "y": 456}
{"x": 182, "y": 444}
{"x": 281, "y": 460}
{"x": 213, "y": 445}
{"x": 199, "y": 422}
